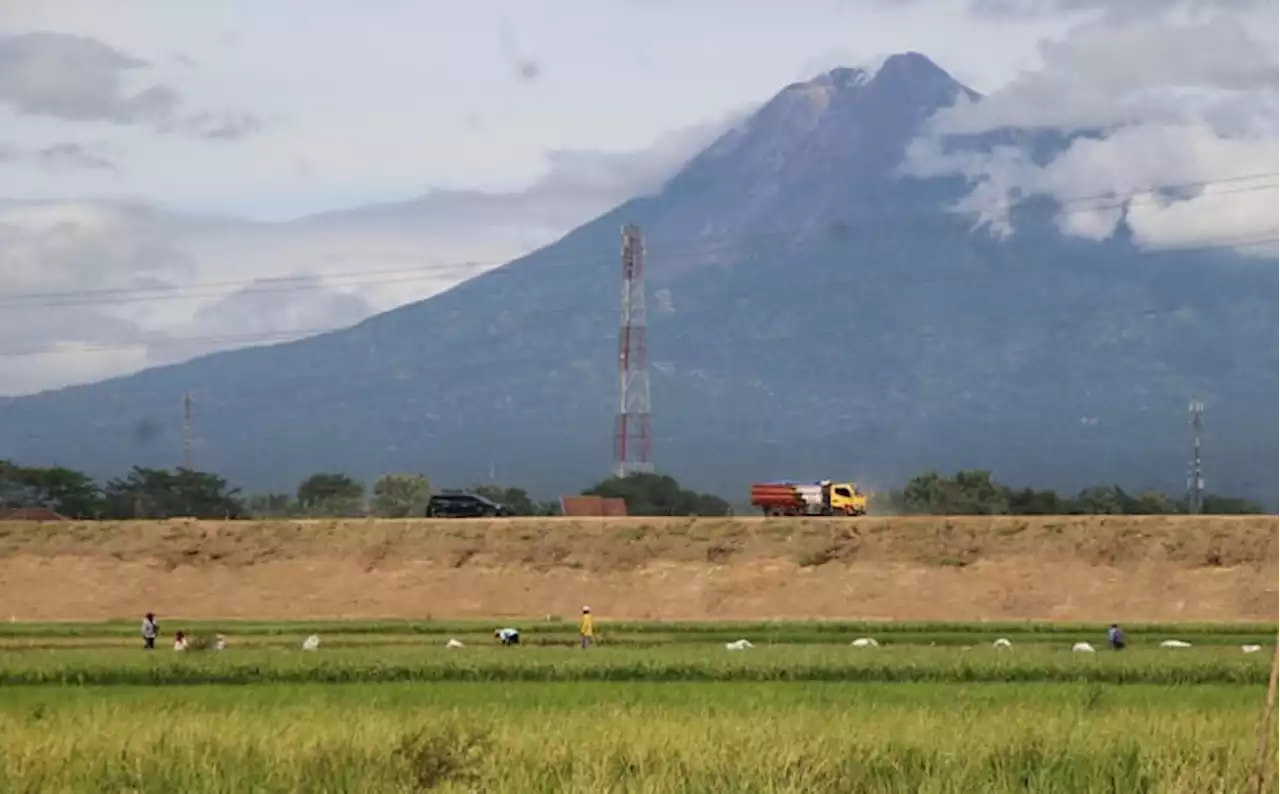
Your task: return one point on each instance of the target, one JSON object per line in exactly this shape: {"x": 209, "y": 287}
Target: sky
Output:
{"x": 179, "y": 177}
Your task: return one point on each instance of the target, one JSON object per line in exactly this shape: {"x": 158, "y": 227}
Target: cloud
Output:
{"x": 1104, "y": 74}
{"x": 261, "y": 307}
{"x": 76, "y": 78}
{"x": 80, "y": 79}
{"x": 73, "y": 155}
{"x": 1143, "y": 103}
{"x": 1125, "y": 8}
{"x": 107, "y": 288}
{"x": 227, "y": 125}
{"x": 59, "y": 157}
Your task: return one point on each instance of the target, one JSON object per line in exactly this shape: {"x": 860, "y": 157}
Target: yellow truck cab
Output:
{"x": 847, "y": 499}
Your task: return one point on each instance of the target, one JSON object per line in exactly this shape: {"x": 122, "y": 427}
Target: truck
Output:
{"x": 820, "y": 498}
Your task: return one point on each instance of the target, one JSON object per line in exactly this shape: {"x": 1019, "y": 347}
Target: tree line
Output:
{"x": 976, "y": 492}
{"x": 161, "y": 493}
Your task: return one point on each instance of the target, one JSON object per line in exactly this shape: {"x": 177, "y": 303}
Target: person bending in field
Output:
{"x": 508, "y": 636}
{"x": 180, "y": 642}
{"x": 585, "y": 630}
{"x": 149, "y": 631}
{"x": 1115, "y": 637}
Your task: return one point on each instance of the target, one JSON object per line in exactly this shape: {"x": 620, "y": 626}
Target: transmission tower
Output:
{"x": 633, "y": 435}
{"x": 1195, "y": 480}
{"x": 188, "y": 429}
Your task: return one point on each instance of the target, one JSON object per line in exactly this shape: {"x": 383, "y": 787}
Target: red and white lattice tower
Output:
{"x": 633, "y": 435}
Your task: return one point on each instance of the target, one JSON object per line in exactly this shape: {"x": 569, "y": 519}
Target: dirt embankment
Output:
{"x": 1065, "y": 568}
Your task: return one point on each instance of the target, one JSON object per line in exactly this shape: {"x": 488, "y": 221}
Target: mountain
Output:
{"x": 813, "y": 312}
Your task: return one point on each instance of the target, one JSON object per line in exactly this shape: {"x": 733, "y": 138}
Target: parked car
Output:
{"x": 464, "y": 505}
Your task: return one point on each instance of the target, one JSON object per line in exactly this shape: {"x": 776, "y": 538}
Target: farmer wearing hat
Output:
{"x": 585, "y": 629}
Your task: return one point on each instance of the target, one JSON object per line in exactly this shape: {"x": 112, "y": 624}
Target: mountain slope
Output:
{"x": 813, "y": 313}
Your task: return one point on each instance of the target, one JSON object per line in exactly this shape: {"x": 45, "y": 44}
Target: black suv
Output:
{"x": 463, "y": 505}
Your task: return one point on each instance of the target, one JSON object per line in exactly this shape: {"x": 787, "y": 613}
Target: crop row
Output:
{"x": 1225, "y": 633}
{"x": 778, "y": 663}
{"x": 563, "y": 637}
{"x": 630, "y": 737}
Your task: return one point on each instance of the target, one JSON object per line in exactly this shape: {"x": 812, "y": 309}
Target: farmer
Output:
{"x": 1115, "y": 637}
{"x": 508, "y": 636}
{"x": 180, "y": 642}
{"x": 149, "y": 631}
{"x": 585, "y": 630}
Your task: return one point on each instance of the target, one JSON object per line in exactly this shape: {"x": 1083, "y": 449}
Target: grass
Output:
{"x": 383, "y": 707}
{"x": 118, "y": 666}
{"x": 599, "y": 737}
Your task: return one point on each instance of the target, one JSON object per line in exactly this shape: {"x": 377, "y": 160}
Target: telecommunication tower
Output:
{"x": 188, "y": 419}
{"x": 1195, "y": 480}
{"x": 633, "y": 435}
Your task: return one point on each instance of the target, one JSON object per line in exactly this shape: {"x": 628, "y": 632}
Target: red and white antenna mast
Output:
{"x": 633, "y": 435}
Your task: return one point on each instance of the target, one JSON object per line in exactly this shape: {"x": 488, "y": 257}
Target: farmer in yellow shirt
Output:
{"x": 585, "y": 630}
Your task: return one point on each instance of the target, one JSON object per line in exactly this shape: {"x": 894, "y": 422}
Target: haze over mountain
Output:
{"x": 817, "y": 308}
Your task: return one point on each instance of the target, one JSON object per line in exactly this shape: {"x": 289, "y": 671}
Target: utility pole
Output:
{"x": 188, "y": 421}
{"x": 633, "y": 435}
{"x": 1195, "y": 480}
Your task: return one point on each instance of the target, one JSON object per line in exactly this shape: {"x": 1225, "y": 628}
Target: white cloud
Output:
{"x": 1159, "y": 102}
{"x": 135, "y": 286}
{"x": 1108, "y": 73}
{"x": 69, "y": 364}
{"x": 1113, "y": 9}
{"x": 78, "y": 79}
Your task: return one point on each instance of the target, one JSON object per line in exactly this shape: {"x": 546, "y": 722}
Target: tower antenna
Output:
{"x": 188, "y": 430}
{"x": 633, "y": 435}
{"x": 1195, "y": 480}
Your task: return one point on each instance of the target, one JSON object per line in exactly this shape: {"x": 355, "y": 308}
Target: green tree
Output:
{"x": 1030, "y": 502}
{"x": 14, "y": 491}
{"x": 271, "y": 505}
{"x": 1216, "y": 505}
{"x": 1101, "y": 500}
{"x": 1151, "y": 503}
{"x": 517, "y": 499}
{"x": 158, "y": 493}
{"x": 331, "y": 494}
{"x": 401, "y": 495}
{"x": 550, "y": 507}
{"x": 658, "y": 495}
{"x": 65, "y": 491}
{"x": 970, "y": 492}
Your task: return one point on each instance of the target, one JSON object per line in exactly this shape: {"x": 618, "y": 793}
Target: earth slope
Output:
{"x": 812, "y": 314}
{"x": 1135, "y": 569}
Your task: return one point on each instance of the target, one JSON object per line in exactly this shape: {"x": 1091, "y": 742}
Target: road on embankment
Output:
{"x": 1074, "y": 568}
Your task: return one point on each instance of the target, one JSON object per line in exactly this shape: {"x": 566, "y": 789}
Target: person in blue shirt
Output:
{"x": 508, "y": 636}
{"x": 1115, "y": 637}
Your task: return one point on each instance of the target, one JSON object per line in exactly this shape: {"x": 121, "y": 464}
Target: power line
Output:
{"x": 1247, "y": 241}
{"x": 299, "y": 282}
{"x": 247, "y": 338}
{"x": 705, "y": 244}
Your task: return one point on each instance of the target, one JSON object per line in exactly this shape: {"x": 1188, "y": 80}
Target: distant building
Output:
{"x": 593, "y": 506}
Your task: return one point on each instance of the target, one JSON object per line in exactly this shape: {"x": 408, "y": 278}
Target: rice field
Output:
{"x": 385, "y": 707}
